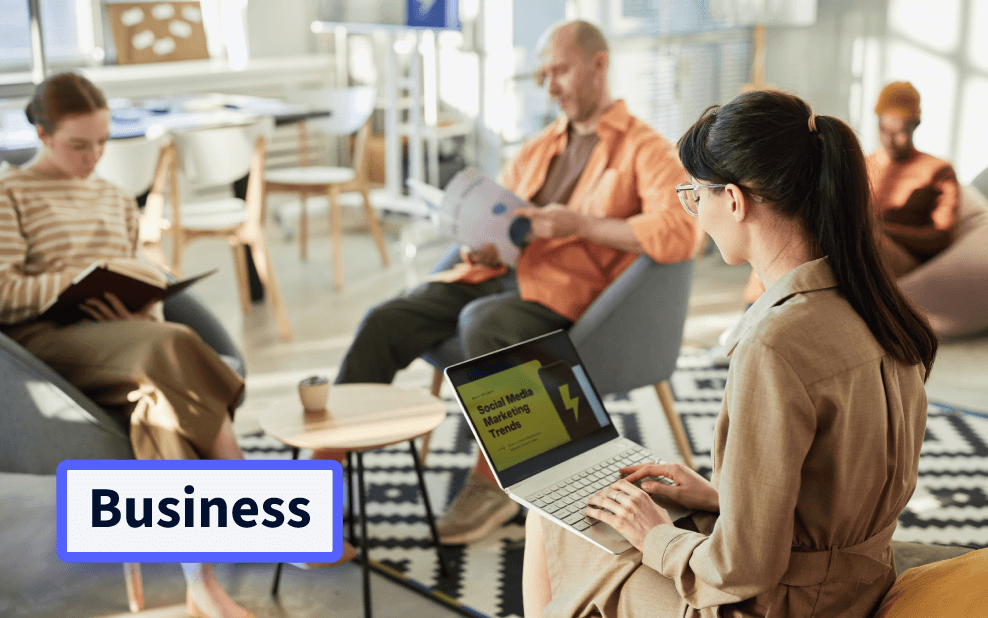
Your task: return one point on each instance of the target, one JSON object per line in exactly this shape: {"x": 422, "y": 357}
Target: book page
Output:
{"x": 138, "y": 269}
{"x": 475, "y": 211}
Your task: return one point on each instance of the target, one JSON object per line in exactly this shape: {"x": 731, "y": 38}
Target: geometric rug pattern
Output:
{"x": 949, "y": 506}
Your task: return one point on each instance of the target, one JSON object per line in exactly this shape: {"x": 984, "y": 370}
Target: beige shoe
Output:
{"x": 479, "y": 508}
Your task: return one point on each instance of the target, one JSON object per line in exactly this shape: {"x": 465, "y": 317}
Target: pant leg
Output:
{"x": 175, "y": 389}
{"x": 398, "y": 331}
{"x": 499, "y": 320}
{"x": 587, "y": 581}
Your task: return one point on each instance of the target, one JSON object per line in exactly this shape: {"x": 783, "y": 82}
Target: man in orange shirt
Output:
{"x": 913, "y": 193}
{"x": 603, "y": 184}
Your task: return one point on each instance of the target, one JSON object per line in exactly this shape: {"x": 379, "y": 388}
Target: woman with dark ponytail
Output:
{"x": 816, "y": 450}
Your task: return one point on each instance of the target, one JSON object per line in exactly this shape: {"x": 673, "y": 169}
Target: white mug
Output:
{"x": 314, "y": 393}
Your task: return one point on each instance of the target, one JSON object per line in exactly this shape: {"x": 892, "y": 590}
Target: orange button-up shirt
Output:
{"x": 632, "y": 174}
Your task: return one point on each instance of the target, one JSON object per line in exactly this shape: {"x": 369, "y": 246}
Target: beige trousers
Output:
{"x": 158, "y": 377}
{"x": 587, "y": 581}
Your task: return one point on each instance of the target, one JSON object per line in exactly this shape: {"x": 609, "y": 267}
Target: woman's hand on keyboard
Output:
{"x": 691, "y": 489}
{"x": 629, "y": 510}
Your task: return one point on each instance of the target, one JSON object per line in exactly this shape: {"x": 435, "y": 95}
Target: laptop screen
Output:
{"x": 531, "y": 406}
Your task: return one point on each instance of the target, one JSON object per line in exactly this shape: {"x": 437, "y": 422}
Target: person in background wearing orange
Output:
{"x": 915, "y": 194}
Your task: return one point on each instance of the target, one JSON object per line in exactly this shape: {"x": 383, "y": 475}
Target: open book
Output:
{"x": 474, "y": 210}
{"x": 133, "y": 290}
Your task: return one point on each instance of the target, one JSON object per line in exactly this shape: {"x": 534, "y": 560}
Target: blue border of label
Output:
{"x": 61, "y": 539}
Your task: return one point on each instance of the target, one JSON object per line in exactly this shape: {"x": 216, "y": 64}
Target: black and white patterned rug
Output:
{"x": 949, "y": 506}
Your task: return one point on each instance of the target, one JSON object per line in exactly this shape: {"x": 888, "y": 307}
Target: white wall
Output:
{"x": 280, "y": 27}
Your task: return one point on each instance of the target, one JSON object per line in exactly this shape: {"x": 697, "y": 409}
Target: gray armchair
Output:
{"x": 629, "y": 337}
{"x": 46, "y": 420}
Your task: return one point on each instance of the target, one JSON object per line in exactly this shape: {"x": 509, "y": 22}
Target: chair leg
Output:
{"x": 375, "y": 227}
{"x": 243, "y": 282}
{"x": 336, "y": 222}
{"x": 178, "y": 246}
{"x": 437, "y": 382}
{"x": 664, "y": 392}
{"x": 265, "y": 271}
{"x": 303, "y": 226}
{"x": 135, "y": 586}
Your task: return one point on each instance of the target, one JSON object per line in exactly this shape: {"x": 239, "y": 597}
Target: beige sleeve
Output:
{"x": 772, "y": 426}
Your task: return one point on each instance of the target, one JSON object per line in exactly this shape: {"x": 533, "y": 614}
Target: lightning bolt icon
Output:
{"x": 570, "y": 403}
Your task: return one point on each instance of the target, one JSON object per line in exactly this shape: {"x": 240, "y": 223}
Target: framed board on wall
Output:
{"x": 157, "y": 31}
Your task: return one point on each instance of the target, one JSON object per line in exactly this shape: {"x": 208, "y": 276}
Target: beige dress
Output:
{"x": 816, "y": 453}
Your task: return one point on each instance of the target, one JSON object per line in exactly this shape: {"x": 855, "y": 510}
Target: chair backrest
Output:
{"x": 131, "y": 163}
{"x": 349, "y": 108}
{"x": 219, "y": 155}
{"x": 628, "y": 337}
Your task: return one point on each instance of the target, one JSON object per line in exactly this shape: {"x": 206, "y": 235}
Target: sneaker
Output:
{"x": 480, "y": 508}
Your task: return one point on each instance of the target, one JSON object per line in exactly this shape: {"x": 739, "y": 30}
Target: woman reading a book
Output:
{"x": 160, "y": 378}
{"x": 816, "y": 449}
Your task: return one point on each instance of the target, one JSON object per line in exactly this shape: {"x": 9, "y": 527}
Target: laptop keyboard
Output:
{"x": 567, "y": 500}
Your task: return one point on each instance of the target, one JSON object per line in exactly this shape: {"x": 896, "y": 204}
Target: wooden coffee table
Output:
{"x": 359, "y": 418}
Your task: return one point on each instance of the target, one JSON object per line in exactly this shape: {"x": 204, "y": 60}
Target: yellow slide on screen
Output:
{"x": 514, "y": 415}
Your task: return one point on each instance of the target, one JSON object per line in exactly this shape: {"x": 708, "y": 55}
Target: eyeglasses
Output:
{"x": 689, "y": 195}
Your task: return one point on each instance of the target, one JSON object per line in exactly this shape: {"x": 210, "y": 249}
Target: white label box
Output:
{"x": 199, "y": 511}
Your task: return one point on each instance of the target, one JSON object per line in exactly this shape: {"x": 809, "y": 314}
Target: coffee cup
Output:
{"x": 314, "y": 393}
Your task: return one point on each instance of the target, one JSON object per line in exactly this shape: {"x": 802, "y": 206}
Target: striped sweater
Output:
{"x": 52, "y": 229}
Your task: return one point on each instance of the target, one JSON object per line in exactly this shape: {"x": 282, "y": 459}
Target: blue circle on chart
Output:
{"x": 499, "y": 209}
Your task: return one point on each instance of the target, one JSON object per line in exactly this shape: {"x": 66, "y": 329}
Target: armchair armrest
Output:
{"x": 449, "y": 259}
{"x": 46, "y": 419}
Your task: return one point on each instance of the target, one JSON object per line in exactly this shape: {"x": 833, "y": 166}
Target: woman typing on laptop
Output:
{"x": 816, "y": 449}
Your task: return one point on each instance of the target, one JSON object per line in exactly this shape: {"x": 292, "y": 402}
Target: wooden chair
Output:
{"x": 217, "y": 157}
{"x": 350, "y": 109}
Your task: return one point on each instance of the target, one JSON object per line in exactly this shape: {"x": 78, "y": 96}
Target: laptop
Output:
{"x": 542, "y": 427}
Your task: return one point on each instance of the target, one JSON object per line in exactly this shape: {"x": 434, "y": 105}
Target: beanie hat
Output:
{"x": 899, "y": 99}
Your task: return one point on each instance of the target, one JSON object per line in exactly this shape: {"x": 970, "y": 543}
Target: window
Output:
{"x": 15, "y": 40}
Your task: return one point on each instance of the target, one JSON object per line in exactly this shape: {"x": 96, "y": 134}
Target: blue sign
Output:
{"x": 433, "y": 14}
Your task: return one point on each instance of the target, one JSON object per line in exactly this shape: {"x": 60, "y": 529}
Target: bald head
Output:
{"x": 582, "y": 36}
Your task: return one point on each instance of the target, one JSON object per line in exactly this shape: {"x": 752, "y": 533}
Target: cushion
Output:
{"x": 954, "y": 587}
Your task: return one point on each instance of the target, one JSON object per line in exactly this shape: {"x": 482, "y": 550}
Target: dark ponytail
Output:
{"x": 61, "y": 95}
{"x": 764, "y": 143}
